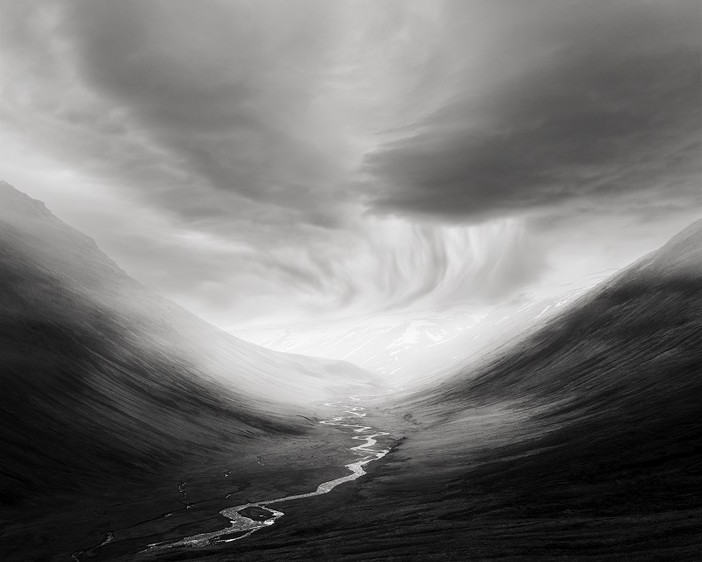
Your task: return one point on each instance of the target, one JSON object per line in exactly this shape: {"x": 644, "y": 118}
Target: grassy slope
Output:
{"x": 582, "y": 440}
{"x": 103, "y": 384}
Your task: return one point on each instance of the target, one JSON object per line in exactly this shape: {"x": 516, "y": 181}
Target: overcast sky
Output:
{"x": 294, "y": 160}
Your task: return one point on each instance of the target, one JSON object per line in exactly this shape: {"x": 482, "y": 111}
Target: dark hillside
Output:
{"x": 106, "y": 386}
{"x": 583, "y": 440}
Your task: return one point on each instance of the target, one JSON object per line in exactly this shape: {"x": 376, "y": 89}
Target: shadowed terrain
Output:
{"x": 581, "y": 440}
{"x": 108, "y": 390}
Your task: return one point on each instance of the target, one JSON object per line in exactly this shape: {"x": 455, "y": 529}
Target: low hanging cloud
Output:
{"x": 390, "y": 264}
{"x": 570, "y": 101}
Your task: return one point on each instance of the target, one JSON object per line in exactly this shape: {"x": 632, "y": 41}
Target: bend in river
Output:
{"x": 248, "y": 518}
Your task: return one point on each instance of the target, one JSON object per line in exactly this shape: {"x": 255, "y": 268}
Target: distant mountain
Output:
{"x": 410, "y": 346}
{"x": 582, "y": 440}
{"x": 101, "y": 381}
{"x": 389, "y": 345}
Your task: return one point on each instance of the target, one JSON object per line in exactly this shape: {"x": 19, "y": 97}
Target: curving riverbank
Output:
{"x": 246, "y": 519}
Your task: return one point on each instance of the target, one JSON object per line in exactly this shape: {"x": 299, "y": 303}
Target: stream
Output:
{"x": 246, "y": 519}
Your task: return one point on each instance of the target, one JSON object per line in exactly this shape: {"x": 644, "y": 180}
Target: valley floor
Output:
{"x": 469, "y": 487}
{"x": 116, "y": 524}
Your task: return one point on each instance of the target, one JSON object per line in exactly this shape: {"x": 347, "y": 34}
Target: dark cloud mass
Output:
{"x": 195, "y": 105}
{"x": 222, "y": 87}
{"x": 584, "y": 100}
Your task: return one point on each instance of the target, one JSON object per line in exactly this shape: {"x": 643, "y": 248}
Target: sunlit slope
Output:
{"x": 101, "y": 379}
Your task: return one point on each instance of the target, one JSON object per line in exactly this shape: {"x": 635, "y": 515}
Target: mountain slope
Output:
{"x": 583, "y": 440}
{"x": 103, "y": 382}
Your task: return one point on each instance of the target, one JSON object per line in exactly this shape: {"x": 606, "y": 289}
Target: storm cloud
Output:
{"x": 266, "y": 160}
{"x": 596, "y": 101}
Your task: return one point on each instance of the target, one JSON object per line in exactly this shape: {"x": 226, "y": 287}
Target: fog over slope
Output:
{"x": 408, "y": 346}
{"x": 101, "y": 379}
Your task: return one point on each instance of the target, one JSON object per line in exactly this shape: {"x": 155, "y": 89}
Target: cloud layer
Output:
{"x": 266, "y": 160}
{"x": 575, "y": 101}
